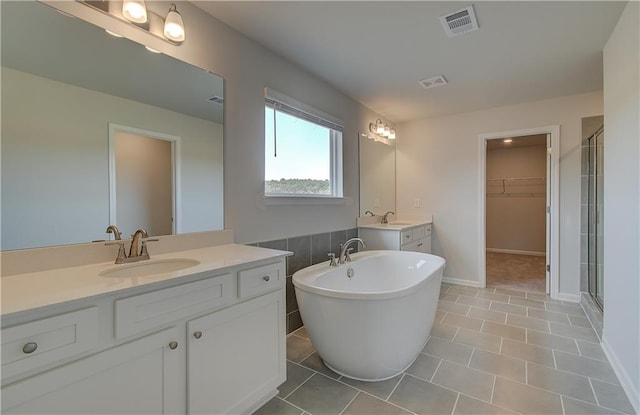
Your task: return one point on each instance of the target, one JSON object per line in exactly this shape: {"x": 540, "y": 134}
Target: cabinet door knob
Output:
{"x": 30, "y": 347}
{"x": 266, "y": 278}
{"x": 173, "y": 345}
{"x": 197, "y": 334}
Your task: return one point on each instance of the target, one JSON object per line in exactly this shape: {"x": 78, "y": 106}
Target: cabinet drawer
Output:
{"x": 259, "y": 280}
{"x": 38, "y": 343}
{"x": 406, "y": 236}
{"x": 146, "y": 311}
{"x": 417, "y": 233}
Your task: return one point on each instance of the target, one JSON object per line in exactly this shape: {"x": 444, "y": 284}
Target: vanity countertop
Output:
{"x": 29, "y": 291}
{"x": 395, "y": 226}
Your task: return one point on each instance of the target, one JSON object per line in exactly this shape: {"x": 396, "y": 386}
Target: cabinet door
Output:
{"x": 236, "y": 356}
{"x": 140, "y": 377}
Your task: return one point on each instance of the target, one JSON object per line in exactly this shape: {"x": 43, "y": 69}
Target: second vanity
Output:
{"x": 403, "y": 236}
{"x": 207, "y": 338}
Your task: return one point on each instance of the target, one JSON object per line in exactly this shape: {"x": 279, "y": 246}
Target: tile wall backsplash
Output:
{"x": 307, "y": 250}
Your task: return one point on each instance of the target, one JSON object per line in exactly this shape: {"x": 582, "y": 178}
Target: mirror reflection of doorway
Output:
{"x": 142, "y": 181}
{"x": 516, "y": 215}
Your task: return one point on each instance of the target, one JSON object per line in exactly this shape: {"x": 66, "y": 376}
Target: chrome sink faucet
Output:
{"x": 135, "y": 254}
{"x": 384, "y": 218}
{"x": 345, "y": 251}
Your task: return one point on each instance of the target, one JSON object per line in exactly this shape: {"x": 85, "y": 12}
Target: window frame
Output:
{"x": 280, "y": 102}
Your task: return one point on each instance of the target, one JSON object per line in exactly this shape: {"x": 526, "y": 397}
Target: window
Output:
{"x": 303, "y": 150}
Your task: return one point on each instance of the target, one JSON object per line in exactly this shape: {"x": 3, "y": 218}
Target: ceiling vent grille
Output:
{"x": 217, "y": 100}
{"x": 460, "y": 22}
{"x": 433, "y": 82}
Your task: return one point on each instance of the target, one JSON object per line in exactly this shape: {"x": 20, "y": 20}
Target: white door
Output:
{"x": 140, "y": 377}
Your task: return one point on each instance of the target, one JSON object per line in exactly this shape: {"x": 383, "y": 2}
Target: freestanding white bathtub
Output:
{"x": 372, "y": 325}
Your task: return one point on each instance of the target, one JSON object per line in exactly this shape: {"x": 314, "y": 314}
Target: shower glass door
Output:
{"x": 595, "y": 216}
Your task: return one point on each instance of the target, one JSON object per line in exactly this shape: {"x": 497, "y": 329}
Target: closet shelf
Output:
{"x": 517, "y": 186}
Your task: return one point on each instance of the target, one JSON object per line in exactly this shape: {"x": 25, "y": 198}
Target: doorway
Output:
{"x": 519, "y": 206}
{"x": 142, "y": 180}
{"x": 515, "y": 213}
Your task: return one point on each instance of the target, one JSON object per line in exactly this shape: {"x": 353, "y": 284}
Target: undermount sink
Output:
{"x": 145, "y": 268}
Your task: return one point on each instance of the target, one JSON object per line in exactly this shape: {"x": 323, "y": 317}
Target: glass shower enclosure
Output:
{"x": 595, "y": 209}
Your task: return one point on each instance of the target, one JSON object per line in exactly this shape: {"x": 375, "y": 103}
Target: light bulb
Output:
{"x": 392, "y": 134}
{"x": 387, "y": 131}
{"x": 379, "y": 127}
{"x": 135, "y": 11}
{"x": 173, "y": 25}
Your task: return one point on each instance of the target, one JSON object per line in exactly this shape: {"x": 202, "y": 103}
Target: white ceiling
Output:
{"x": 377, "y": 51}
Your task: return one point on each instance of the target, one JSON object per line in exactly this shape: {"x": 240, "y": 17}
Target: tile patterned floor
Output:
{"x": 491, "y": 351}
{"x": 513, "y": 271}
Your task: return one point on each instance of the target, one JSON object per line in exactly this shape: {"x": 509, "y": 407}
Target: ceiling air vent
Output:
{"x": 433, "y": 82}
{"x": 460, "y": 22}
{"x": 217, "y": 100}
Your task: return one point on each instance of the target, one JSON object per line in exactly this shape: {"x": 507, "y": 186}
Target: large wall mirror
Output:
{"x": 377, "y": 158}
{"x": 93, "y": 126}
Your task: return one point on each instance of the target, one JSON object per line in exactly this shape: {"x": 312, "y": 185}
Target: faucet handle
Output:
{"x": 143, "y": 251}
{"x": 347, "y": 257}
{"x": 122, "y": 255}
{"x": 332, "y": 258}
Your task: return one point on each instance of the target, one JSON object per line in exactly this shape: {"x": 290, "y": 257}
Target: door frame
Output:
{"x": 176, "y": 192}
{"x": 553, "y": 202}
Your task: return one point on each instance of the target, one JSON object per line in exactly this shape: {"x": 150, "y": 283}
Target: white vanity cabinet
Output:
{"x": 416, "y": 238}
{"x": 212, "y": 345}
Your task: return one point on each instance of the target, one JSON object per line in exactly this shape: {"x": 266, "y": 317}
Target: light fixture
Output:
{"x": 170, "y": 27}
{"x": 507, "y": 140}
{"x": 134, "y": 11}
{"x": 381, "y": 129}
{"x": 173, "y": 25}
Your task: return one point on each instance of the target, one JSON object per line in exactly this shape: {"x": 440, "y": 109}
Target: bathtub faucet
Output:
{"x": 344, "y": 252}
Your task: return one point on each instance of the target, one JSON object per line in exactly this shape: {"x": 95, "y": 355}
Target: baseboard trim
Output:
{"x": 623, "y": 375}
{"x": 574, "y": 298}
{"x": 515, "y": 251}
{"x": 458, "y": 281}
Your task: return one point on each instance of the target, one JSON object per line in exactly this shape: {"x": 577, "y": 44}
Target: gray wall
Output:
{"x": 621, "y": 336}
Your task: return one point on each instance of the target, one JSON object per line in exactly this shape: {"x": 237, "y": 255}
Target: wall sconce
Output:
{"x": 173, "y": 25}
{"x": 382, "y": 129}
{"x": 169, "y": 28}
{"x": 134, "y": 11}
